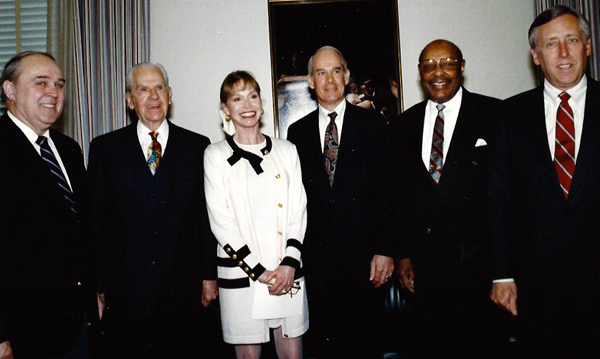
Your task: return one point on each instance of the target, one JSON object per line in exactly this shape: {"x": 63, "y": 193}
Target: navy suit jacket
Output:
{"x": 443, "y": 228}
{"x": 43, "y": 247}
{"x": 152, "y": 232}
{"x": 547, "y": 243}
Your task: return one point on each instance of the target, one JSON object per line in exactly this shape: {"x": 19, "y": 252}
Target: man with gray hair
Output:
{"x": 156, "y": 251}
{"x": 544, "y": 197}
{"x": 343, "y": 153}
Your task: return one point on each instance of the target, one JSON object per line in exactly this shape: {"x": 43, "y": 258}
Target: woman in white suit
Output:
{"x": 257, "y": 210}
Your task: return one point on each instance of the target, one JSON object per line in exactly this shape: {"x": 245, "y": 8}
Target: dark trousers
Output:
{"x": 453, "y": 325}
{"x": 345, "y": 323}
{"x": 562, "y": 324}
{"x": 194, "y": 334}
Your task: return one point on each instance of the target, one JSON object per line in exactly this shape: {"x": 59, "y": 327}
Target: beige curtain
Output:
{"x": 95, "y": 42}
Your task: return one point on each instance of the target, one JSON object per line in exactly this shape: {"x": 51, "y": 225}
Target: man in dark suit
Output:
{"x": 440, "y": 208}
{"x": 545, "y": 198}
{"x": 43, "y": 245}
{"x": 347, "y": 248}
{"x": 157, "y": 254}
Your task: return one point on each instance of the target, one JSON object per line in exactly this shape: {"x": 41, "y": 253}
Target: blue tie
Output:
{"x": 54, "y": 167}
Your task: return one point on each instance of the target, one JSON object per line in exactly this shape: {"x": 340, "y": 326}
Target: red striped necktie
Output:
{"x": 564, "y": 153}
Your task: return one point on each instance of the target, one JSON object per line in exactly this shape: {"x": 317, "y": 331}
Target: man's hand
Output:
{"x": 382, "y": 268}
{"x": 210, "y": 292}
{"x": 406, "y": 274}
{"x": 101, "y": 305}
{"x": 6, "y": 350}
{"x": 505, "y": 295}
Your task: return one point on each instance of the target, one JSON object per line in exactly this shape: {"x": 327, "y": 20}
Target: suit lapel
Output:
{"x": 587, "y": 157}
{"x": 133, "y": 153}
{"x": 463, "y": 138}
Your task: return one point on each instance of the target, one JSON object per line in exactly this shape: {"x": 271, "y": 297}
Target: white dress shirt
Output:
{"x": 577, "y": 103}
{"x": 32, "y": 137}
{"x": 551, "y": 103}
{"x": 324, "y": 121}
{"x": 450, "y": 117}
{"x": 143, "y": 133}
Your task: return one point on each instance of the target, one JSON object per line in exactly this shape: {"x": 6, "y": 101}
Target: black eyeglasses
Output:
{"x": 446, "y": 64}
{"x": 295, "y": 289}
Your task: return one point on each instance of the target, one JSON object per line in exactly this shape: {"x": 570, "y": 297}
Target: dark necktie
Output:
{"x": 564, "y": 152}
{"x": 54, "y": 167}
{"x": 330, "y": 149}
{"x": 436, "y": 160}
{"x": 154, "y": 152}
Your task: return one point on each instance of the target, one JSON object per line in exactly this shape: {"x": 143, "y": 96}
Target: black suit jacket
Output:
{"x": 546, "y": 243}
{"x": 42, "y": 247}
{"x": 346, "y": 226}
{"x": 443, "y": 228}
{"x": 152, "y": 232}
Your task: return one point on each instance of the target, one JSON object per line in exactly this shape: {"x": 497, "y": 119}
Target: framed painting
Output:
{"x": 367, "y": 34}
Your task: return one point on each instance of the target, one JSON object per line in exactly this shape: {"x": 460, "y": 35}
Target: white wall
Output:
{"x": 200, "y": 42}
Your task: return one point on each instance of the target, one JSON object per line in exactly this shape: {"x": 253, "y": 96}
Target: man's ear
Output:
{"x": 346, "y": 77}
{"x": 128, "y": 99}
{"x": 536, "y": 60}
{"x": 9, "y": 89}
{"x": 311, "y": 83}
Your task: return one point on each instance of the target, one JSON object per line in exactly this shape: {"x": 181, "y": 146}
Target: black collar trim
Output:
{"x": 253, "y": 159}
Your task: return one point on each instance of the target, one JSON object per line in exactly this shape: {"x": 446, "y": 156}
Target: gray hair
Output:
{"x": 145, "y": 65}
{"x": 310, "y": 61}
{"x": 551, "y": 14}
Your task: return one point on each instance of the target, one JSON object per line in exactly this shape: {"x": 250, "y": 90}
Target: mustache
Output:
{"x": 439, "y": 79}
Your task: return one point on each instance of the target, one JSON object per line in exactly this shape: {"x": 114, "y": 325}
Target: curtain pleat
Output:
{"x": 101, "y": 39}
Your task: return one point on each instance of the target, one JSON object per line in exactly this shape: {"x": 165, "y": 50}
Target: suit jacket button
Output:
{"x": 153, "y": 264}
{"x": 79, "y": 284}
{"x": 428, "y": 231}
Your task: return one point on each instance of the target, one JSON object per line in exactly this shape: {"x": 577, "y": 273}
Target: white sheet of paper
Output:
{"x": 268, "y": 306}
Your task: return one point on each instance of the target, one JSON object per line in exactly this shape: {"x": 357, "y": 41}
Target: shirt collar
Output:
{"x": 27, "y": 131}
{"x": 576, "y": 92}
{"x": 143, "y": 131}
{"x": 339, "y": 109}
{"x": 453, "y": 104}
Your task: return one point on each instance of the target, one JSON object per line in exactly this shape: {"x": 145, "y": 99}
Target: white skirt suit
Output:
{"x": 257, "y": 210}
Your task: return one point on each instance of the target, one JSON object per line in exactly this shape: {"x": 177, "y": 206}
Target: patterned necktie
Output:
{"x": 436, "y": 160}
{"x": 154, "y": 152}
{"x": 54, "y": 167}
{"x": 330, "y": 150}
{"x": 564, "y": 153}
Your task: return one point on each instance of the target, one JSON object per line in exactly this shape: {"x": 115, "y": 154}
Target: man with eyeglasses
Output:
{"x": 440, "y": 214}
{"x": 545, "y": 196}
